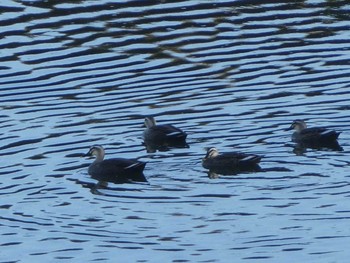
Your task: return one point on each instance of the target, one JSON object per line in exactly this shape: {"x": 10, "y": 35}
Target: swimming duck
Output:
{"x": 316, "y": 136}
{"x": 230, "y": 162}
{"x": 160, "y": 136}
{"x": 117, "y": 170}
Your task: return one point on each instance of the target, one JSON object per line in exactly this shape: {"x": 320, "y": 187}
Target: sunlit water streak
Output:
{"x": 232, "y": 74}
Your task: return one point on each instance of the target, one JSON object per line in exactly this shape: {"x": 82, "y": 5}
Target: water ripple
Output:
{"x": 232, "y": 74}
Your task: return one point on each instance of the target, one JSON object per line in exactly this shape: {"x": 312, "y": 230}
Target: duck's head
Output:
{"x": 211, "y": 153}
{"x": 298, "y": 125}
{"x": 150, "y": 122}
{"x": 96, "y": 150}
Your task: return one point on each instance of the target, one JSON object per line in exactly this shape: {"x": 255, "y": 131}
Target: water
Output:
{"x": 232, "y": 74}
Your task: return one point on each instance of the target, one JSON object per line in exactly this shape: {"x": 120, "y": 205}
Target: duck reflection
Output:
{"x": 215, "y": 173}
{"x": 301, "y": 148}
{"x": 162, "y": 137}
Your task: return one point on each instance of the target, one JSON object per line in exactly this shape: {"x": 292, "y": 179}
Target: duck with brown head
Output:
{"x": 117, "y": 170}
{"x": 158, "y": 137}
{"x": 315, "y": 137}
{"x": 230, "y": 162}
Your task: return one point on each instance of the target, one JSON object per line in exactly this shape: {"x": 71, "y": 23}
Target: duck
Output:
{"x": 230, "y": 162}
{"x": 161, "y": 136}
{"x": 116, "y": 170}
{"x": 314, "y": 137}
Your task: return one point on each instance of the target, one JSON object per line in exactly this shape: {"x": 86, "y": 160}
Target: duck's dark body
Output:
{"x": 118, "y": 170}
{"x": 231, "y": 162}
{"x": 160, "y": 137}
{"x": 165, "y": 135}
{"x": 315, "y": 135}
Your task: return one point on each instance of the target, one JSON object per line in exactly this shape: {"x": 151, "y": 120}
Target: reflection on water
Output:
{"x": 301, "y": 148}
{"x": 216, "y": 172}
{"x": 231, "y": 74}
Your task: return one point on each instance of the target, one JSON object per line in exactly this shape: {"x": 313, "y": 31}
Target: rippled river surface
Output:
{"x": 232, "y": 74}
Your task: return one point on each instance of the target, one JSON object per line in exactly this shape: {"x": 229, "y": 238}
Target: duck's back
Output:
{"x": 234, "y": 160}
{"x": 164, "y": 133}
{"x": 315, "y": 134}
{"x": 118, "y": 170}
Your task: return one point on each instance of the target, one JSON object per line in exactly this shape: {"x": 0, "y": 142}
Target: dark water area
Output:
{"x": 232, "y": 74}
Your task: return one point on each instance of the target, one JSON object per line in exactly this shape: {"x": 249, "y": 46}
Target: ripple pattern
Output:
{"x": 232, "y": 74}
